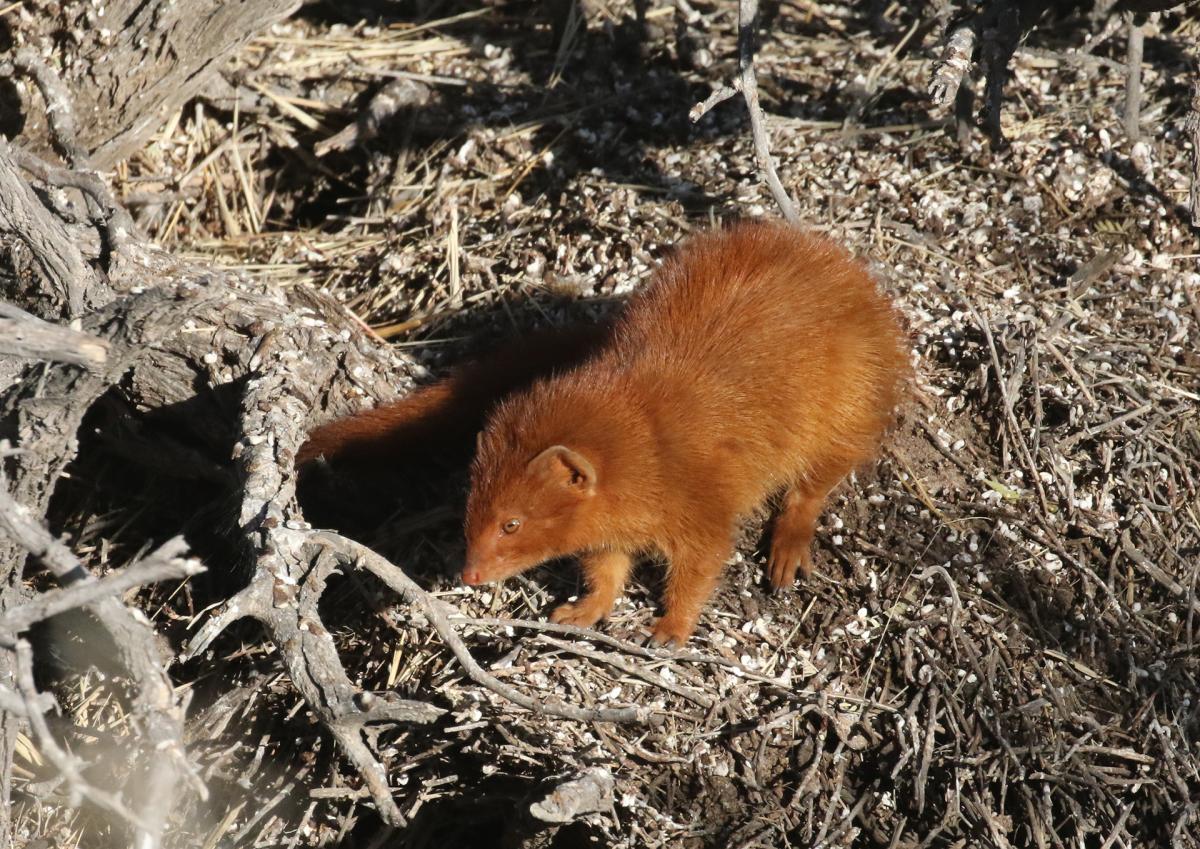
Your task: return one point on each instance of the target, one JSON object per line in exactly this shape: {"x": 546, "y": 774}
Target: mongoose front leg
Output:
{"x": 691, "y": 577}
{"x": 605, "y": 573}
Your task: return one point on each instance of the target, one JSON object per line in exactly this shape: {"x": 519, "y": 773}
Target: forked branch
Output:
{"x": 747, "y": 85}
{"x": 157, "y": 707}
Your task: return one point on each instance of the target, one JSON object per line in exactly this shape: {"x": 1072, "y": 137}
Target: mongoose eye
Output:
{"x": 511, "y": 526}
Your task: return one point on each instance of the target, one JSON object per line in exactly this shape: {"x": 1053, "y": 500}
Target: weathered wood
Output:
{"x": 988, "y": 33}
{"x": 28, "y": 337}
{"x": 1133, "y": 77}
{"x": 251, "y": 329}
{"x": 128, "y": 64}
{"x": 46, "y": 236}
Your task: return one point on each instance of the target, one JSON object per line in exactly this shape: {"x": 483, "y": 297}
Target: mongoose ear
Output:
{"x": 569, "y": 468}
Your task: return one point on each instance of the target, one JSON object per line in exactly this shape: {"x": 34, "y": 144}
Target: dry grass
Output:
{"x": 1001, "y": 646}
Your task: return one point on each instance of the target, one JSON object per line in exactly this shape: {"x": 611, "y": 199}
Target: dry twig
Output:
{"x": 747, "y": 84}
{"x": 160, "y": 709}
{"x": 438, "y": 613}
{"x": 68, "y": 765}
{"x": 165, "y": 564}
{"x": 22, "y": 213}
{"x": 27, "y": 336}
{"x": 1192, "y": 128}
{"x": 1133, "y": 79}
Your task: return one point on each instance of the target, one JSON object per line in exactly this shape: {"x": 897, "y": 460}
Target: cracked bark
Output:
{"x": 129, "y": 63}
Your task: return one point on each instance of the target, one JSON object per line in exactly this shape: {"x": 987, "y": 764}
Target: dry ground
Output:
{"x": 1000, "y": 646}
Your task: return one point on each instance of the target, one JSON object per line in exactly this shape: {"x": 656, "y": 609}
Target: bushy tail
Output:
{"x": 389, "y": 430}
{"x": 443, "y": 418}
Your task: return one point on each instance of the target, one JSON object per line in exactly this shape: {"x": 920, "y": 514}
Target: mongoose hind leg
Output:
{"x": 792, "y": 535}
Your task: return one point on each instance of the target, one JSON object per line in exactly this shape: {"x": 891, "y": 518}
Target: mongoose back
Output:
{"x": 760, "y": 360}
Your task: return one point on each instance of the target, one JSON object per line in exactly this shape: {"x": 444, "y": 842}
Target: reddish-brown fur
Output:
{"x": 442, "y": 419}
{"x": 760, "y": 360}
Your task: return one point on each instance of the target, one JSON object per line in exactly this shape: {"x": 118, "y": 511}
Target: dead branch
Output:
{"x": 131, "y": 63}
{"x": 1192, "y": 128}
{"x": 536, "y": 818}
{"x": 68, "y": 765}
{"x": 106, "y": 213}
{"x": 396, "y": 96}
{"x": 20, "y": 525}
{"x": 290, "y": 571}
{"x": 45, "y": 411}
{"x": 27, "y": 336}
{"x": 1133, "y": 79}
{"x": 156, "y": 703}
{"x": 165, "y": 564}
{"x": 21, "y": 705}
{"x": 438, "y": 613}
{"x": 275, "y": 592}
{"x": 952, "y": 66}
{"x": 103, "y": 209}
{"x": 60, "y": 114}
{"x": 589, "y": 792}
{"x": 747, "y": 84}
{"x": 21, "y": 213}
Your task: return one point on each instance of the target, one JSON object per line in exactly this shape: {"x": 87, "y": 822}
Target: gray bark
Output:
{"x": 128, "y": 63}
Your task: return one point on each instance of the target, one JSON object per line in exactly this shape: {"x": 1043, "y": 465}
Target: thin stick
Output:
{"x": 614, "y": 660}
{"x": 163, "y": 565}
{"x": 1013, "y": 426}
{"x": 27, "y": 336}
{"x": 747, "y": 84}
{"x": 1133, "y": 78}
{"x": 68, "y": 765}
{"x": 747, "y": 21}
{"x": 438, "y": 612}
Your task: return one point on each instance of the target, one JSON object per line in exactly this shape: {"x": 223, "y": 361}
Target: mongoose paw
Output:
{"x": 577, "y": 613}
{"x": 788, "y": 556}
{"x": 671, "y": 633}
